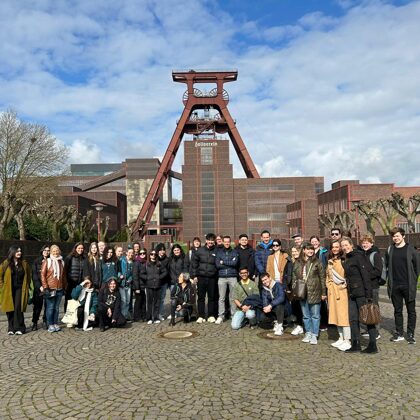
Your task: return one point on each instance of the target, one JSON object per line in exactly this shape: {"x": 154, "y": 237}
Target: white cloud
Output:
{"x": 83, "y": 151}
{"x": 329, "y": 96}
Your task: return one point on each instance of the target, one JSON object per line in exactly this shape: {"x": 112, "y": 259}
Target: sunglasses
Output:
{"x": 276, "y": 245}
{"x": 153, "y": 254}
{"x": 335, "y": 234}
{"x": 142, "y": 253}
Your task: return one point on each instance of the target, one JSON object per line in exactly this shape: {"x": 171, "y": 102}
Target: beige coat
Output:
{"x": 338, "y": 300}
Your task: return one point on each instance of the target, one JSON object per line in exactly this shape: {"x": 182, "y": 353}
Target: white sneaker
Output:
{"x": 169, "y": 317}
{"x": 69, "y": 325}
{"x": 219, "y": 320}
{"x": 297, "y": 330}
{"x": 345, "y": 345}
{"x": 157, "y": 321}
{"x": 307, "y": 338}
{"x": 88, "y": 329}
{"x": 200, "y": 320}
{"x": 313, "y": 340}
{"x": 211, "y": 320}
{"x": 279, "y": 329}
{"x": 149, "y": 322}
{"x": 338, "y": 343}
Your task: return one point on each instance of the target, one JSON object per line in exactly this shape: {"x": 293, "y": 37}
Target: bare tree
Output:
{"x": 386, "y": 215}
{"x": 29, "y": 156}
{"x": 407, "y": 208}
{"x": 328, "y": 220}
{"x": 368, "y": 210}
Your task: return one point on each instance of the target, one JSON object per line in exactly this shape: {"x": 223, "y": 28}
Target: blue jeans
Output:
{"x": 125, "y": 293}
{"x": 163, "y": 290}
{"x": 239, "y": 316}
{"x": 311, "y": 316}
{"x": 52, "y": 307}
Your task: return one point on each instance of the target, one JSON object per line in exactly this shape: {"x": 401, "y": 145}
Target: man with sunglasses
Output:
{"x": 335, "y": 234}
{"x": 204, "y": 272}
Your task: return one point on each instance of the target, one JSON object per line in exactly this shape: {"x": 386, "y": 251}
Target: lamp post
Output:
{"x": 99, "y": 207}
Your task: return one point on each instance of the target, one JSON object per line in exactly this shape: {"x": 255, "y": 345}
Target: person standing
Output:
{"x": 54, "y": 282}
{"x": 226, "y": 262}
{"x": 125, "y": 280}
{"x": 38, "y": 296}
{"x": 262, "y": 252}
{"x": 93, "y": 268}
{"x": 204, "y": 273}
{"x": 15, "y": 289}
{"x": 139, "y": 287}
{"x": 74, "y": 266}
{"x": 338, "y": 298}
{"x": 246, "y": 255}
{"x": 360, "y": 292}
{"x": 403, "y": 268}
{"x": 166, "y": 281}
{"x": 309, "y": 269}
{"x": 108, "y": 265}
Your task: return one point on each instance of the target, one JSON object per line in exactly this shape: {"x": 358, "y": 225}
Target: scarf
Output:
{"x": 56, "y": 262}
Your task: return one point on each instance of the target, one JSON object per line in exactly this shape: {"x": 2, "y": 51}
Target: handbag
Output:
{"x": 370, "y": 314}
{"x": 299, "y": 289}
{"x": 70, "y": 316}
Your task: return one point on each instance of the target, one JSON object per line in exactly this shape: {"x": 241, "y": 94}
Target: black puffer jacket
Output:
{"x": 357, "y": 275}
{"x": 203, "y": 262}
{"x": 177, "y": 265}
{"x": 153, "y": 274}
{"x": 247, "y": 259}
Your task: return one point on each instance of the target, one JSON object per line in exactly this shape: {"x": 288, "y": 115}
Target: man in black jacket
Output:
{"x": 246, "y": 255}
{"x": 403, "y": 268}
{"x": 204, "y": 272}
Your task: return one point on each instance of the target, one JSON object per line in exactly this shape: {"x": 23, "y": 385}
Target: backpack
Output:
{"x": 382, "y": 280}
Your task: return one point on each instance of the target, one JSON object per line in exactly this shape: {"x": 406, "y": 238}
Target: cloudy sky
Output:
{"x": 325, "y": 87}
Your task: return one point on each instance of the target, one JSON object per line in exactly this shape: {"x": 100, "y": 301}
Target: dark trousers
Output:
{"x": 153, "y": 303}
{"x": 38, "y": 302}
{"x": 354, "y": 306}
{"x": 277, "y": 313}
{"x": 81, "y": 317}
{"x": 297, "y": 312}
{"x": 139, "y": 305}
{"x": 105, "y": 320}
{"x": 324, "y": 314}
{"x": 15, "y": 318}
{"x": 207, "y": 286}
{"x": 399, "y": 296}
{"x": 185, "y": 312}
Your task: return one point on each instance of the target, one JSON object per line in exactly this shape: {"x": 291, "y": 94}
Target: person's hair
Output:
{"x": 397, "y": 229}
{"x": 330, "y": 254}
{"x": 348, "y": 239}
{"x": 43, "y": 248}
{"x": 196, "y": 238}
{"x": 186, "y": 276}
{"x": 243, "y": 268}
{"x": 143, "y": 250}
{"x": 367, "y": 238}
{"x": 105, "y": 254}
{"x": 90, "y": 255}
{"x": 335, "y": 228}
{"x": 314, "y": 236}
{"x": 265, "y": 231}
{"x": 264, "y": 274}
{"x": 52, "y": 247}
{"x": 136, "y": 243}
{"x": 276, "y": 241}
{"x": 306, "y": 245}
{"x": 210, "y": 237}
{"x": 109, "y": 282}
{"x": 227, "y": 237}
{"x": 73, "y": 251}
{"x": 11, "y": 254}
{"x": 177, "y": 246}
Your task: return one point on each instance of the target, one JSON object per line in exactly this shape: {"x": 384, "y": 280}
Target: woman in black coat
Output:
{"x": 109, "y": 306}
{"x": 178, "y": 263}
{"x": 38, "y": 296}
{"x": 139, "y": 287}
{"x": 93, "y": 266}
{"x": 74, "y": 267}
{"x": 152, "y": 275}
{"x": 359, "y": 287}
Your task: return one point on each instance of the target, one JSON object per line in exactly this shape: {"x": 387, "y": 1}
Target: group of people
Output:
{"x": 305, "y": 288}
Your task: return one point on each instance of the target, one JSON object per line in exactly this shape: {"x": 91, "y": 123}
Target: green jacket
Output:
{"x": 6, "y": 298}
{"x": 238, "y": 292}
{"x": 315, "y": 281}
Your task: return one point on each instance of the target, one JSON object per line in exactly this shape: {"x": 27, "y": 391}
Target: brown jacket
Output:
{"x": 47, "y": 276}
{"x": 281, "y": 259}
{"x": 338, "y": 300}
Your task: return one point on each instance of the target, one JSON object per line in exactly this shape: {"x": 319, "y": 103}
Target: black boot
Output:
{"x": 371, "y": 348}
{"x": 355, "y": 347}
{"x": 172, "y": 321}
{"x": 34, "y": 326}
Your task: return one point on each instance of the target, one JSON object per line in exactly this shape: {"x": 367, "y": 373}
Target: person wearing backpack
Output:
{"x": 375, "y": 268}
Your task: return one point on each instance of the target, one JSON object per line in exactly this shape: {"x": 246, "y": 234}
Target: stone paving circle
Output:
{"x": 219, "y": 374}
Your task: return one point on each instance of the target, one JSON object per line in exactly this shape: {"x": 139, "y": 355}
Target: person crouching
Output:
{"x": 273, "y": 298}
{"x": 109, "y": 306}
{"x": 88, "y": 299}
{"x": 183, "y": 299}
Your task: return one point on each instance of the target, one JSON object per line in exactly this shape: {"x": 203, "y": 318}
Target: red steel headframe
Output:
{"x": 194, "y": 99}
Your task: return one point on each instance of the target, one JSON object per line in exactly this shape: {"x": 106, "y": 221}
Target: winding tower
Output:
{"x": 204, "y": 112}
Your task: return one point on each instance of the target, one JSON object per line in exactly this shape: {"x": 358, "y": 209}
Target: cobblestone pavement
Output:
{"x": 133, "y": 373}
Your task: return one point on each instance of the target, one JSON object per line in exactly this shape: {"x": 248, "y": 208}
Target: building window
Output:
{"x": 206, "y": 155}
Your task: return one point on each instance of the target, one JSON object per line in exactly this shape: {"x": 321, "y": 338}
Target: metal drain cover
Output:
{"x": 178, "y": 335}
{"x": 269, "y": 335}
